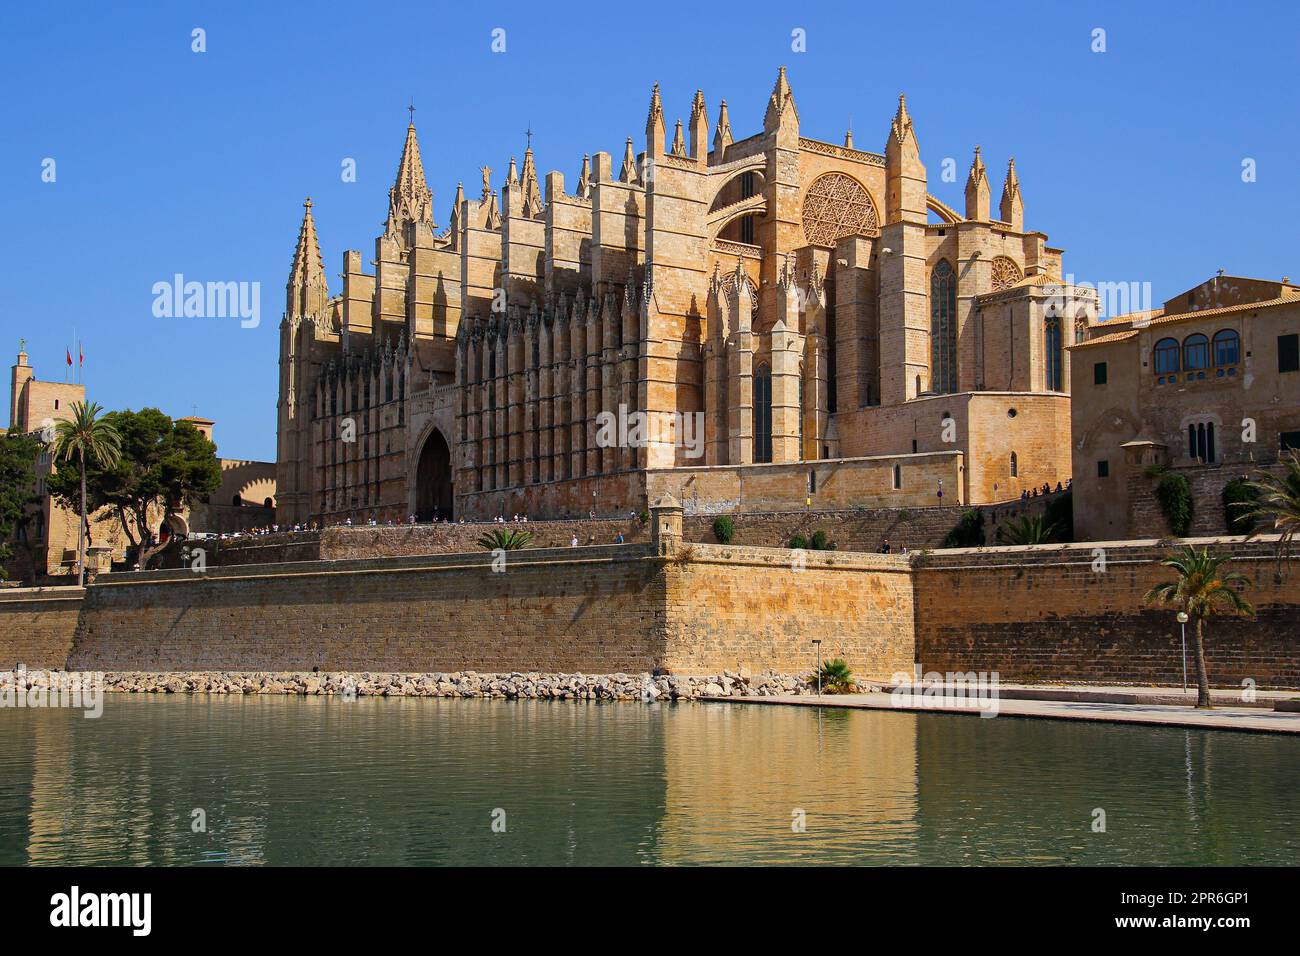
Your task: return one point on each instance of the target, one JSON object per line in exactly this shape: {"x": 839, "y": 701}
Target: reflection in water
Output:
{"x": 318, "y": 781}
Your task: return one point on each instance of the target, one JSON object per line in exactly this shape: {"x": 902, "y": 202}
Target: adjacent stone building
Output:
{"x": 736, "y": 322}
{"x": 1207, "y": 385}
{"x": 48, "y": 548}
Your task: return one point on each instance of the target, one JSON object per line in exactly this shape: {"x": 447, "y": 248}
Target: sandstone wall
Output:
{"x": 589, "y": 610}
{"x": 756, "y": 608}
{"x": 37, "y": 626}
{"x": 1044, "y": 614}
{"x": 856, "y": 529}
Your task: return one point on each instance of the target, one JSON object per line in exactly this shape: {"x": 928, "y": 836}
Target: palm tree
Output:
{"x": 85, "y": 435}
{"x": 1201, "y": 591}
{"x": 836, "y": 678}
{"x": 505, "y": 539}
{"x": 1278, "y": 505}
{"x": 1028, "y": 529}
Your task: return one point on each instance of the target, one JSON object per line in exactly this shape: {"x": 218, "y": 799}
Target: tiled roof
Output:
{"x": 1103, "y": 339}
{"x": 1290, "y": 298}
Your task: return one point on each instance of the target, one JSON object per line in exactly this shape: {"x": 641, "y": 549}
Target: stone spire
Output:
{"x": 722, "y": 134}
{"x": 977, "y": 191}
{"x": 628, "y": 174}
{"x": 901, "y": 130}
{"x": 409, "y": 200}
{"x": 532, "y": 191}
{"x": 455, "y": 211}
{"x": 584, "y": 179}
{"x": 699, "y": 129}
{"x": 656, "y": 134}
{"x": 1012, "y": 206}
{"x": 512, "y": 174}
{"x": 905, "y": 180}
{"x": 848, "y": 138}
{"x": 306, "y": 287}
{"x": 780, "y": 105}
{"x": 679, "y": 141}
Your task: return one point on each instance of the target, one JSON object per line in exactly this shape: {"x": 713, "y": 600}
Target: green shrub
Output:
{"x": 723, "y": 529}
{"x": 1026, "y": 529}
{"x": 821, "y": 541}
{"x": 1174, "y": 493}
{"x": 836, "y": 678}
{"x": 1059, "y": 514}
{"x": 968, "y": 532}
{"x": 800, "y": 542}
{"x": 1240, "y": 498}
{"x": 505, "y": 539}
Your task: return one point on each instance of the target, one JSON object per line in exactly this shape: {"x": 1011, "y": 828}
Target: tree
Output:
{"x": 1202, "y": 591}
{"x": 18, "y": 453}
{"x": 1028, "y": 529}
{"x": 968, "y": 532}
{"x": 836, "y": 678}
{"x": 505, "y": 539}
{"x": 724, "y": 529}
{"x": 1277, "y": 505}
{"x": 91, "y": 440}
{"x": 164, "y": 465}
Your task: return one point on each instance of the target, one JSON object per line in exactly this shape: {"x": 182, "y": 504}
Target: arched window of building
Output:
{"x": 1015, "y": 466}
{"x": 943, "y": 328}
{"x": 1053, "y": 355}
{"x": 1196, "y": 352}
{"x": 763, "y": 413}
{"x": 1166, "y": 356}
{"x": 1200, "y": 442}
{"x": 1227, "y": 347}
{"x": 898, "y": 477}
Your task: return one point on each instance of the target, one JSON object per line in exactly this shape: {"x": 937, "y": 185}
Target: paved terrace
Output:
{"x": 1255, "y": 719}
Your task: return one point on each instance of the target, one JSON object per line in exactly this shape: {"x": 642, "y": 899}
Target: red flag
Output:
{"x": 81, "y": 355}
{"x": 69, "y": 357}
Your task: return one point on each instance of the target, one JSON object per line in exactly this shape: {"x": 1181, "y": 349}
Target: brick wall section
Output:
{"x": 590, "y": 610}
{"x": 731, "y": 607}
{"x": 37, "y": 626}
{"x": 1028, "y": 613}
{"x": 1207, "y": 481}
{"x": 593, "y": 610}
{"x": 1043, "y": 614}
{"x": 859, "y": 529}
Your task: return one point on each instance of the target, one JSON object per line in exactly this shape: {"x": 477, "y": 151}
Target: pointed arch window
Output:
{"x": 943, "y": 328}
{"x": 1053, "y": 358}
{"x": 763, "y": 413}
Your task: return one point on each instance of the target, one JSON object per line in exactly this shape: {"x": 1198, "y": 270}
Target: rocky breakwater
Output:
{"x": 463, "y": 684}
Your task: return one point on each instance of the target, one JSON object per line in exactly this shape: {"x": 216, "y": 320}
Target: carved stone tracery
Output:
{"x": 835, "y": 206}
{"x": 1005, "y": 273}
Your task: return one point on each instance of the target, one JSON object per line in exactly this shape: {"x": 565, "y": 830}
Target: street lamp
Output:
{"x": 818, "y": 644}
{"x": 1182, "y": 622}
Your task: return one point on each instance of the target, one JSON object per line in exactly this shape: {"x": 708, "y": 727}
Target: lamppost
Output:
{"x": 818, "y": 644}
{"x": 1182, "y": 622}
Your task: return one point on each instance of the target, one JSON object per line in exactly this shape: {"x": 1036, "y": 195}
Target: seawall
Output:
{"x": 1050, "y": 613}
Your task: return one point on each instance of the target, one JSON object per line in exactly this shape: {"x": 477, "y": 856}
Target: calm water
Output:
{"x": 319, "y": 782}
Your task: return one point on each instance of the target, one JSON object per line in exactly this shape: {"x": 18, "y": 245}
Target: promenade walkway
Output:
{"x": 1257, "y": 719}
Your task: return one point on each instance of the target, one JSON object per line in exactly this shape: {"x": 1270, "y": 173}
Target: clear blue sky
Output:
{"x": 170, "y": 161}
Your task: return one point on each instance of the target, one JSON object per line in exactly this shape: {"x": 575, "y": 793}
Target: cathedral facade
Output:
{"x": 764, "y": 323}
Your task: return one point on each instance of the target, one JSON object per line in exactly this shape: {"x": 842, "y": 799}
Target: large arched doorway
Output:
{"x": 433, "y": 495}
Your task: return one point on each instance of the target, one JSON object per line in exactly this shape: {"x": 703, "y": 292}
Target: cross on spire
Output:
{"x": 529, "y": 133}
{"x": 411, "y": 109}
